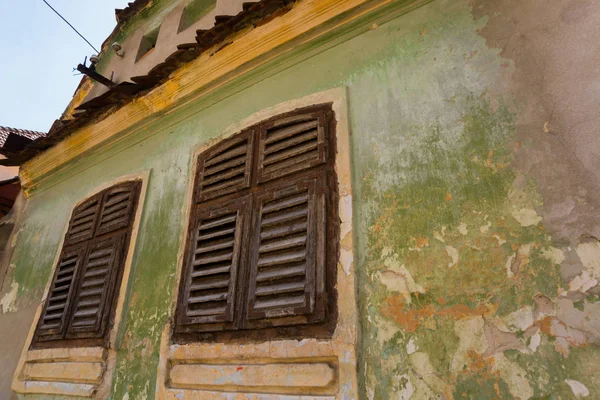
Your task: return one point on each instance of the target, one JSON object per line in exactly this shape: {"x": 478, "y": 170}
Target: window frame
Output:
{"x": 71, "y": 337}
{"x": 322, "y": 321}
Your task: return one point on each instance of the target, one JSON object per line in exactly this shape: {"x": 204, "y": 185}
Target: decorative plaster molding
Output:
{"x": 305, "y": 22}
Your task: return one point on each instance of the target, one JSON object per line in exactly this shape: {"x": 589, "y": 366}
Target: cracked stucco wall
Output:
{"x": 476, "y": 217}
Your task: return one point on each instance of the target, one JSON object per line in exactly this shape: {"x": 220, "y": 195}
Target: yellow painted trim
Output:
{"x": 303, "y": 23}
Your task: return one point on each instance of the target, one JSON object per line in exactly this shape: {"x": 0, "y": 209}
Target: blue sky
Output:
{"x": 39, "y": 52}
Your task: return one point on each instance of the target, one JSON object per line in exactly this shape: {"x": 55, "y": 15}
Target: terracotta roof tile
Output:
{"x": 5, "y": 131}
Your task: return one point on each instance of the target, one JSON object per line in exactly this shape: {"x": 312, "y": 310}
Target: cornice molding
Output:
{"x": 307, "y": 21}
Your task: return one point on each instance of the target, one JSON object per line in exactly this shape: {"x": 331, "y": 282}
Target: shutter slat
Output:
{"x": 225, "y": 168}
{"x": 99, "y": 272}
{"x": 280, "y": 288}
{"x": 223, "y": 186}
{"x": 284, "y": 133}
{"x": 86, "y": 312}
{"x": 236, "y": 151}
{"x": 213, "y": 235}
{"x": 208, "y": 284}
{"x": 58, "y": 306}
{"x": 214, "y": 259}
{"x": 211, "y": 271}
{"x": 225, "y": 165}
{"x": 280, "y": 273}
{"x": 64, "y": 271}
{"x": 115, "y": 200}
{"x": 278, "y": 231}
{"x": 99, "y": 261}
{"x": 52, "y": 316}
{"x": 287, "y": 203}
{"x": 111, "y": 215}
{"x": 289, "y": 153}
{"x": 293, "y": 142}
{"x": 225, "y": 176}
{"x": 83, "y": 322}
{"x": 92, "y": 292}
{"x": 211, "y": 310}
{"x": 284, "y": 258}
{"x": 208, "y": 298}
{"x": 65, "y": 279}
{"x": 90, "y": 302}
{"x": 218, "y": 222}
{"x": 214, "y": 247}
{"x": 284, "y": 244}
{"x": 281, "y": 302}
{"x": 285, "y": 217}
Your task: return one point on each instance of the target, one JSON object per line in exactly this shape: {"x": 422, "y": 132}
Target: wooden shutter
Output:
{"x": 225, "y": 168}
{"x": 95, "y": 287}
{"x": 208, "y": 294}
{"x": 83, "y": 221}
{"x": 292, "y": 144}
{"x": 118, "y": 207}
{"x": 288, "y": 251}
{"x": 53, "y": 319}
{"x": 81, "y": 297}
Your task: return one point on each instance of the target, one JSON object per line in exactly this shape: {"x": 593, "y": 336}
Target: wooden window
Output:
{"x": 262, "y": 242}
{"x": 80, "y": 304}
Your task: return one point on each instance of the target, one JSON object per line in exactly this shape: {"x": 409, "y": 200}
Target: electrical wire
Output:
{"x": 72, "y": 27}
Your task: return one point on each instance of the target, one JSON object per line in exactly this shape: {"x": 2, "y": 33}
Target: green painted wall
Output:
{"x": 470, "y": 283}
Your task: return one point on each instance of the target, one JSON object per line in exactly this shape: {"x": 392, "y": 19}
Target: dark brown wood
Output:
{"x": 92, "y": 268}
{"x": 287, "y": 258}
{"x": 209, "y": 283}
{"x": 225, "y": 168}
{"x": 292, "y": 143}
{"x": 96, "y": 285}
{"x": 289, "y": 229}
{"x": 83, "y": 221}
{"x": 53, "y": 320}
{"x": 118, "y": 204}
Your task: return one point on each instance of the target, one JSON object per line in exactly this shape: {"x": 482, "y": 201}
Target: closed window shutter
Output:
{"x": 88, "y": 274}
{"x": 83, "y": 221}
{"x": 54, "y": 317}
{"x": 257, "y": 252}
{"x": 225, "y": 168}
{"x": 292, "y": 144}
{"x": 285, "y": 264}
{"x": 117, "y": 208}
{"x": 96, "y": 286}
{"x": 212, "y": 268}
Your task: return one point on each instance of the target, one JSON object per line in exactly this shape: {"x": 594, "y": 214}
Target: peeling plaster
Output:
{"x": 578, "y": 388}
{"x": 7, "y": 303}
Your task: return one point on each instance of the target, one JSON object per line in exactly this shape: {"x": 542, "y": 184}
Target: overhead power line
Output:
{"x": 72, "y": 27}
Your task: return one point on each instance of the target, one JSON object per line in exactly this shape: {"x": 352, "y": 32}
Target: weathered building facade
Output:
{"x": 317, "y": 199}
